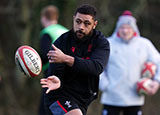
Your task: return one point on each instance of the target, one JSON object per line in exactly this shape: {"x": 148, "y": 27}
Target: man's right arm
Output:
{"x": 45, "y": 45}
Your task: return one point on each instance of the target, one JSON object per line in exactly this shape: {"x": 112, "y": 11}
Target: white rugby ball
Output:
{"x": 148, "y": 70}
{"x": 143, "y": 86}
{"x": 28, "y": 61}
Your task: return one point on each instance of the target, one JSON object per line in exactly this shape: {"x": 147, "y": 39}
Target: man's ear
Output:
{"x": 95, "y": 24}
{"x": 74, "y": 17}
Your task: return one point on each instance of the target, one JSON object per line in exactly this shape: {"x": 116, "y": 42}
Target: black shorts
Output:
{"x": 118, "y": 110}
{"x": 64, "y": 105}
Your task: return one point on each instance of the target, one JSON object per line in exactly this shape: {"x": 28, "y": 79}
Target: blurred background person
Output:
{"x": 52, "y": 30}
{"x": 129, "y": 51}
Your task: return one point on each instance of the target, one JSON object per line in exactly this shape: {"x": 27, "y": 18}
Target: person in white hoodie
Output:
{"x": 129, "y": 51}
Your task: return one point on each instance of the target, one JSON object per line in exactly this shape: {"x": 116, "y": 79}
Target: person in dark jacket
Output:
{"x": 77, "y": 59}
{"x": 51, "y": 31}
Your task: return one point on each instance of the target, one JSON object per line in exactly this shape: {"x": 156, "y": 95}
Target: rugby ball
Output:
{"x": 148, "y": 70}
{"x": 143, "y": 86}
{"x": 28, "y": 61}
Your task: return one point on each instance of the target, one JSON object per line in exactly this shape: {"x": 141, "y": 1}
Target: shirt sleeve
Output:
{"x": 45, "y": 46}
{"x": 97, "y": 62}
{"x": 154, "y": 56}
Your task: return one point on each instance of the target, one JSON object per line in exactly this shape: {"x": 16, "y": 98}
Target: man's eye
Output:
{"x": 87, "y": 23}
{"x": 78, "y": 21}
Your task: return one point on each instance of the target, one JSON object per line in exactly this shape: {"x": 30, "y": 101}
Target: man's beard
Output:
{"x": 85, "y": 37}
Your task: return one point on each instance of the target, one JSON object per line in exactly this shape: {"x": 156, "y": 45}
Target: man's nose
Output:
{"x": 81, "y": 26}
{"x": 125, "y": 30}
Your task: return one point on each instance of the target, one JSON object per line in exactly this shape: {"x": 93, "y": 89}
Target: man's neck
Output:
{"x": 50, "y": 23}
{"x": 85, "y": 38}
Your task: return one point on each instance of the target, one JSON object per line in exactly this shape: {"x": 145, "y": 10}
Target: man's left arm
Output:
{"x": 94, "y": 65}
{"x": 154, "y": 56}
{"x": 96, "y": 62}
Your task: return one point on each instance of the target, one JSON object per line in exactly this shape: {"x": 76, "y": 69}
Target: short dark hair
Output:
{"x": 87, "y": 9}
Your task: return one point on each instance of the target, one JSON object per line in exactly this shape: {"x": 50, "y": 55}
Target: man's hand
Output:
{"x": 52, "y": 83}
{"x": 56, "y": 55}
{"x": 154, "y": 87}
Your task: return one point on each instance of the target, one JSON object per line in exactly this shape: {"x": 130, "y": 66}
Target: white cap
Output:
{"x": 127, "y": 18}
